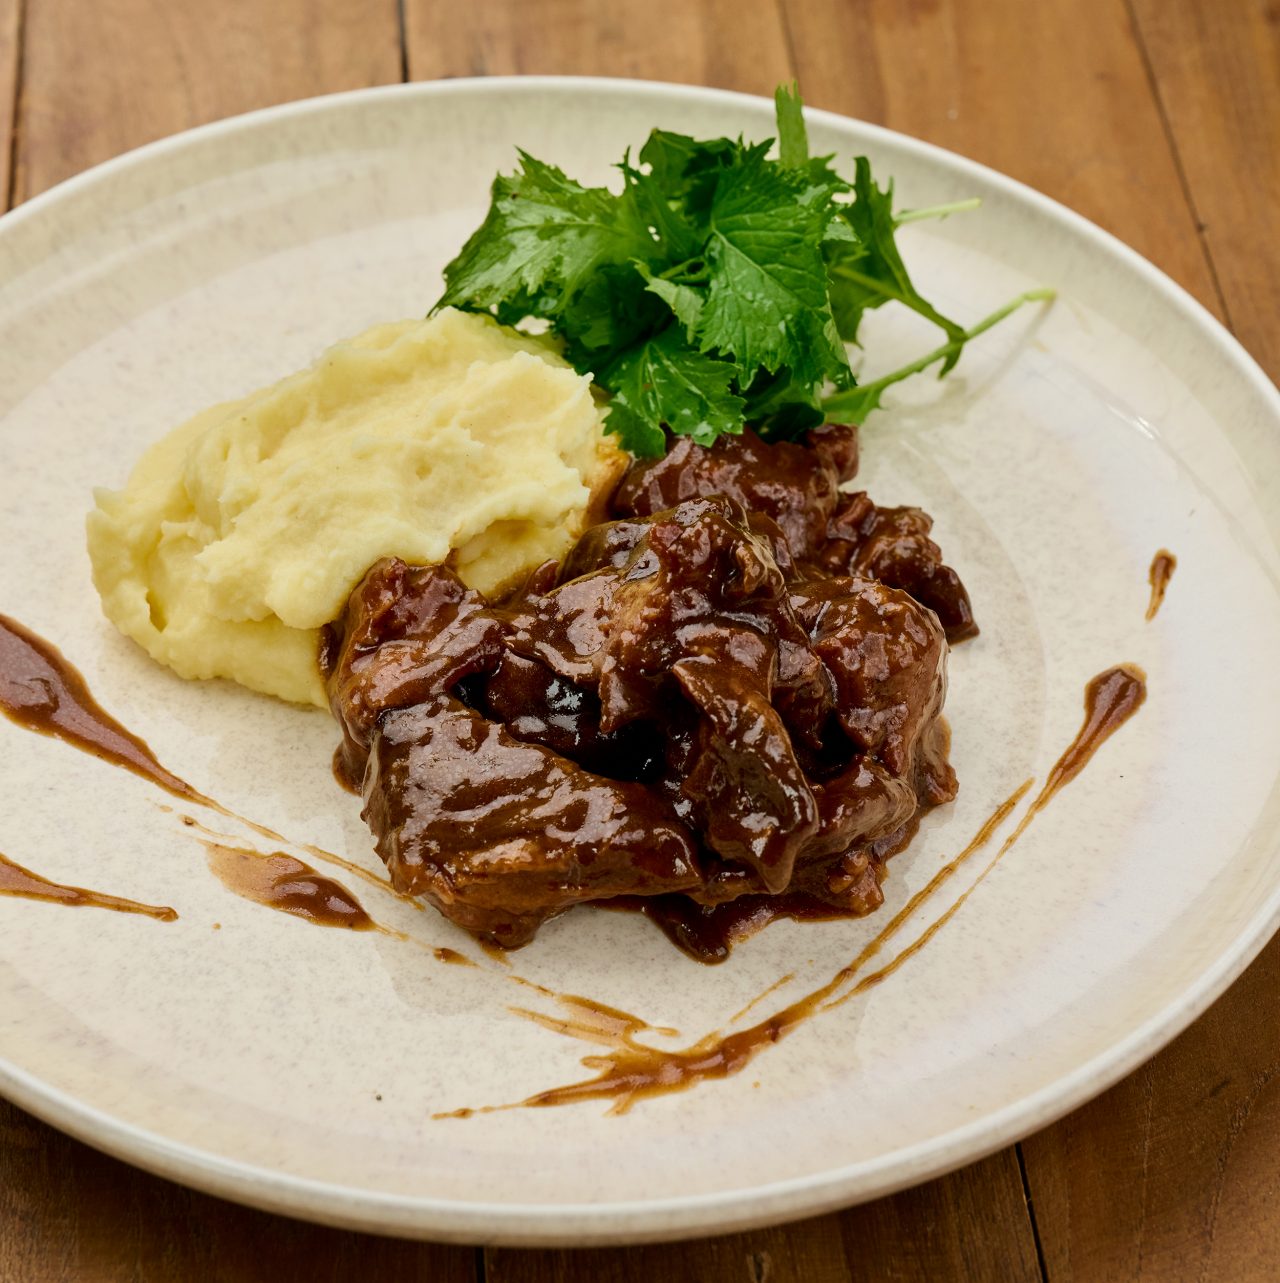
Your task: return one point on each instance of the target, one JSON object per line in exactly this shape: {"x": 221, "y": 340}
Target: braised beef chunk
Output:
{"x": 501, "y": 835}
{"x": 724, "y": 704}
{"x": 893, "y": 546}
{"x": 797, "y": 486}
{"x": 410, "y": 633}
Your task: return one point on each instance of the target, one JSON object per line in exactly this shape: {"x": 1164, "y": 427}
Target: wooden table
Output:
{"x": 1158, "y": 119}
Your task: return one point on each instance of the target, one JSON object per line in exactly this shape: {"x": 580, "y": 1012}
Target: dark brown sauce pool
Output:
{"x": 286, "y": 884}
{"x": 41, "y": 691}
{"x": 1163, "y": 564}
{"x": 18, "y": 881}
{"x": 632, "y": 1070}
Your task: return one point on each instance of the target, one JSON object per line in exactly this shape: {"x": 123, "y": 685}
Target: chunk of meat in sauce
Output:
{"x": 729, "y": 695}
{"x": 798, "y": 488}
{"x": 501, "y": 835}
{"x": 409, "y": 634}
{"x": 893, "y": 546}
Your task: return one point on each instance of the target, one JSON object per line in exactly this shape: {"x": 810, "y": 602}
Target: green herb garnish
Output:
{"x": 717, "y": 288}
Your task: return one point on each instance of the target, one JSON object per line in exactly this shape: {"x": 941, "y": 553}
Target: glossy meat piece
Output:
{"x": 797, "y": 486}
{"x": 893, "y": 546}
{"x": 887, "y": 658}
{"x": 410, "y": 633}
{"x": 748, "y": 797}
{"x": 539, "y": 707}
{"x": 500, "y": 835}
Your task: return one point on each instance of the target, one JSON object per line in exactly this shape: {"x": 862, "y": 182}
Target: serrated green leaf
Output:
{"x": 676, "y": 160}
{"x": 868, "y": 271}
{"x": 613, "y": 311}
{"x": 782, "y": 408}
{"x": 684, "y": 301}
{"x": 662, "y": 382}
{"x": 544, "y": 238}
{"x": 793, "y": 139}
{"x": 674, "y": 235}
{"x": 767, "y": 298}
{"x": 637, "y": 434}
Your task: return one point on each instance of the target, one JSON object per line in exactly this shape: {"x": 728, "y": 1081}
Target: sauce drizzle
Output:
{"x": 281, "y": 882}
{"x": 18, "y": 881}
{"x": 635, "y": 1070}
{"x": 1163, "y": 564}
{"x": 317, "y": 852}
{"x": 1110, "y": 699}
{"x": 632, "y": 1070}
{"x": 452, "y": 956}
{"x": 41, "y": 691}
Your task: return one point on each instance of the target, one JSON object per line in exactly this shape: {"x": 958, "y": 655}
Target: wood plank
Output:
{"x": 100, "y": 78}
{"x": 1217, "y": 72}
{"x": 1055, "y": 94}
{"x": 10, "y": 43}
{"x": 70, "y": 1213}
{"x": 731, "y": 44}
{"x": 972, "y": 1224}
{"x": 1174, "y": 1173}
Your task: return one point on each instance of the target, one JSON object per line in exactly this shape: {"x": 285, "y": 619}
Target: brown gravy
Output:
{"x": 18, "y": 881}
{"x": 41, "y": 691}
{"x": 281, "y": 882}
{"x": 1110, "y": 699}
{"x": 1163, "y": 564}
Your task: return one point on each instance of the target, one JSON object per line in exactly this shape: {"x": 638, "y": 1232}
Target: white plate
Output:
{"x": 298, "y": 1069}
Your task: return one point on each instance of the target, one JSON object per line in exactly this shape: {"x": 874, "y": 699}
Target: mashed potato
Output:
{"x": 244, "y": 530}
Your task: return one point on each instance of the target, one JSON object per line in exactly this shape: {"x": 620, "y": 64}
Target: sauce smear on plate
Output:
{"x": 1163, "y": 564}
{"x": 41, "y": 691}
{"x": 18, "y": 881}
{"x": 286, "y": 884}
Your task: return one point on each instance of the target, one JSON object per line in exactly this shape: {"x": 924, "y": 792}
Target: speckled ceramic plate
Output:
{"x": 299, "y": 1069}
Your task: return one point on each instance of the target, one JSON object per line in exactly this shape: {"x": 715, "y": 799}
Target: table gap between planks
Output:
{"x": 1158, "y": 120}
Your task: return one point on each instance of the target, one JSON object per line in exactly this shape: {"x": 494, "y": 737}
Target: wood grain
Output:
{"x": 1217, "y": 72}
{"x": 731, "y": 44}
{"x": 970, "y": 1225}
{"x": 101, "y": 77}
{"x": 70, "y": 1213}
{"x": 10, "y": 45}
{"x": 1055, "y": 94}
{"x": 1175, "y": 1173}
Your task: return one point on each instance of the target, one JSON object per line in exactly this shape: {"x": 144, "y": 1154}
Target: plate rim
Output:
{"x": 659, "y": 1219}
